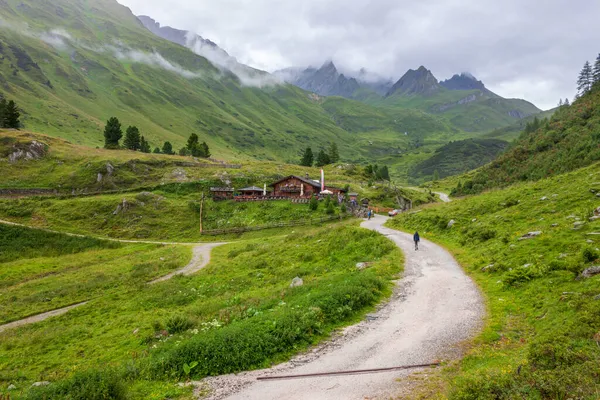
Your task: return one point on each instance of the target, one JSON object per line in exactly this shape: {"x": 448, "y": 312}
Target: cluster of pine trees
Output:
{"x": 324, "y": 157}
{"x": 588, "y": 77}
{"x": 136, "y": 142}
{"x": 376, "y": 172}
{"x": 194, "y": 148}
{"x": 9, "y": 115}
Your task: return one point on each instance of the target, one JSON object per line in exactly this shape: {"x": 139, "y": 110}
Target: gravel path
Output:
{"x": 200, "y": 259}
{"x": 39, "y": 317}
{"x": 435, "y": 307}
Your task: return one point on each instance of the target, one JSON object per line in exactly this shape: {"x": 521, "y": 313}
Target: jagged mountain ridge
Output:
{"x": 464, "y": 81}
{"x": 416, "y": 82}
{"x": 325, "y": 81}
{"x": 174, "y": 35}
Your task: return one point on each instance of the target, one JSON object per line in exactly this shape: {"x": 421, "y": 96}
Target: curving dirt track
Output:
{"x": 435, "y": 307}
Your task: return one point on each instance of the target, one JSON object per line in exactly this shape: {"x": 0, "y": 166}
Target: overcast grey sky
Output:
{"x": 531, "y": 49}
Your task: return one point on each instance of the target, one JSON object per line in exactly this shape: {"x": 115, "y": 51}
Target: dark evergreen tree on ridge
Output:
{"x": 132, "y": 138}
{"x": 192, "y": 142}
{"x": 307, "y": 158}
{"x": 156, "y": 150}
{"x": 112, "y": 133}
{"x": 585, "y": 81}
{"x": 322, "y": 159}
{"x": 596, "y": 72}
{"x": 334, "y": 155}
{"x": 167, "y": 148}
{"x": 3, "y": 104}
{"x": 144, "y": 145}
{"x": 204, "y": 150}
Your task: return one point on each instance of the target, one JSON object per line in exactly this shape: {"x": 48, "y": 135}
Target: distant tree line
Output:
{"x": 136, "y": 142}
{"x": 9, "y": 115}
{"x": 324, "y": 157}
{"x": 589, "y": 77}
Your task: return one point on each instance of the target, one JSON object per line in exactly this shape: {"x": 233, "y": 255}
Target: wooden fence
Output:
{"x": 242, "y": 229}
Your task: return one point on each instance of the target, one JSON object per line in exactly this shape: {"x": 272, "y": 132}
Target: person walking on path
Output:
{"x": 417, "y": 239}
{"x": 369, "y": 214}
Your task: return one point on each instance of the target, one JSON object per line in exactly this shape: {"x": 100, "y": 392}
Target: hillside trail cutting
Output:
{"x": 434, "y": 308}
{"x": 200, "y": 259}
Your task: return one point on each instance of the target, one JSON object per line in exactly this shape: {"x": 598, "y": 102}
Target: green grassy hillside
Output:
{"x": 77, "y": 63}
{"x": 511, "y": 132}
{"x": 567, "y": 142}
{"x": 473, "y": 111}
{"x": 458, "y": 157}
{"x": 70, "y": 65}
{"x": 541, "y": 337}
{"x": 132, "y": 339}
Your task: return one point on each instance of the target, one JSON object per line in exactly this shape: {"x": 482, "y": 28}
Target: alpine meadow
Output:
{"x": 196, "y": 203}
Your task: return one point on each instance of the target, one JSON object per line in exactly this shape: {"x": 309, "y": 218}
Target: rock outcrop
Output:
{"x": 33, "y": 151}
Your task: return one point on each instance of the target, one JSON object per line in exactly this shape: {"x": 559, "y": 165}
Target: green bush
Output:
{"x": 178, "y": 323}
{"x": 589, "y": 255}
{"x": 313, "y": 204}
{"x": 89, "y": 385}
{"x": 250, "y": 343}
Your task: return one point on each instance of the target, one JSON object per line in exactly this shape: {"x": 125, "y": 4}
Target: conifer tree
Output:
{"x": 11, "y": 116}
{"x": 385, "y": 173}
{"x": 204, "y": 150}
{"x": 584, "y": 83}
{"x": 436, "y": 175}
{"x": 566, "y": 103}
{"x": 192, "y": 142}
{"x": 132, "y": 138}
{"x": 322, "y": 159}
{"x": 156, "y": 150}
{"x": 112, "y": 133}
{"x": 167, "y": 148}
{"x": 596, "y": 72}
{"x": 334, "y": 155}
{"x": 307, "y": 158}
{"x": 3, "y": 104}
{"x": 144, "y": 145}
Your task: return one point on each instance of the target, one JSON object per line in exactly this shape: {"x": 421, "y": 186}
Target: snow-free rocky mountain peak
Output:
{"x": 420, "y": 82}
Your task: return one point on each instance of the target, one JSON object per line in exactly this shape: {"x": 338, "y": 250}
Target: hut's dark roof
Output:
{"x": 307, "y": 181}
{"x": 251, "y": 189}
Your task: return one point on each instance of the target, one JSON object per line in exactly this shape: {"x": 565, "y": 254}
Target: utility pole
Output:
{"x": 201, "y": 209}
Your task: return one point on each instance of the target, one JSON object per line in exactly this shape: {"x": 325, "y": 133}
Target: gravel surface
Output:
{"x": 434, "y": 308}
{"x": 200, "y": 259}
{"x": 39, "y": 317}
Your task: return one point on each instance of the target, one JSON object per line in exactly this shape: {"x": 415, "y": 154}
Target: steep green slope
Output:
{"x": 470, "y": 110}
{"x": 567, "y": 142}
{"x": 540, "y": 340}
{"x": 513, "y": 131}
{"x": 76, "y": 63}
{"x": 458, "y": 157}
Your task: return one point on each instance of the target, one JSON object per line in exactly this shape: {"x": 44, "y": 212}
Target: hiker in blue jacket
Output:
{"x": 417, "y": 239}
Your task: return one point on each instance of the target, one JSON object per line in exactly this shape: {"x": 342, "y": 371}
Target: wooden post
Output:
{"x": 201, "y": 209}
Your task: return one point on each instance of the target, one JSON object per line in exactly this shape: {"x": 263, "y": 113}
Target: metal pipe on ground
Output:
{"x": 354, "y": 372}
